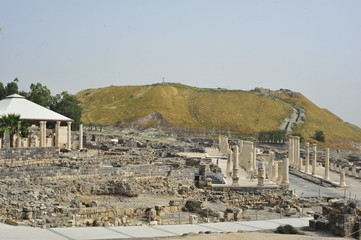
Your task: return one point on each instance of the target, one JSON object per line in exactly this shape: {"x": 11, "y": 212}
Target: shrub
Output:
{"x": 287, "y": 229}
{"x": 319, "y": 136}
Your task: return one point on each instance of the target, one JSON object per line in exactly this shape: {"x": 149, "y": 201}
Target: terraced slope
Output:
{"x": 195, "y": 108}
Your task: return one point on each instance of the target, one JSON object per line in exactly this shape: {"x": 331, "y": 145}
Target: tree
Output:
{"x": 319, "y": 136}
{"x": 69, "y": 106}
{"x": 12, "y": 87}
{"x": 40, "y": 94}
{"x": 273, "y": 136}
{"x": 12, "y": 124}
{"x": 2, "y": 91}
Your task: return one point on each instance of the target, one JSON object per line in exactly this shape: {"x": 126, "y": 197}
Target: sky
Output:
{"x": 309, "y": 46}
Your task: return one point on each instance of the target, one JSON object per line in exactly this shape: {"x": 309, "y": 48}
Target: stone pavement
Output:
{"x": 87, "y": 233}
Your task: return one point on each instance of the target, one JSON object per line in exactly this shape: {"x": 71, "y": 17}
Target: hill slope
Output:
{"x": 195, "y": 108}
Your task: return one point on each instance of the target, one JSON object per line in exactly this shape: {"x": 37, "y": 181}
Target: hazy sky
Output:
{"x": 312, "y": 47}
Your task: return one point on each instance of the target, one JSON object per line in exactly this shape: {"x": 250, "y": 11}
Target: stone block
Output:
{"x": 312, "y": 224}
{"x": 229, "y": 216}
{"x": 153, "y": 223}
{"x": 193, "y": 219}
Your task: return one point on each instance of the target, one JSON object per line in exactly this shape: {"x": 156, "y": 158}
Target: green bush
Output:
{"x": 319, "y": 136}
{"x": 287, "y": 229}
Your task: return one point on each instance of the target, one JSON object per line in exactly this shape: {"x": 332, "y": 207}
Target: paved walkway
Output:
{"x": 87, "y": 233}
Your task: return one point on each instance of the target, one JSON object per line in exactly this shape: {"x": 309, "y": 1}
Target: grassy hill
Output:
{"x": 195, "y": 108}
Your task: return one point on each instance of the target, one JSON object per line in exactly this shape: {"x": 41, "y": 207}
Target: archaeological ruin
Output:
{"x": 109, "y": 176}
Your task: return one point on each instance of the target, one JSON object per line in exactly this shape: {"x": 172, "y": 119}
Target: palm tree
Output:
{"x": 12, "y": 124}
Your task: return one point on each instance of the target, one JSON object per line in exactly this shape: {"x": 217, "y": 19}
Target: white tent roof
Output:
{"x": 28, "y": 110}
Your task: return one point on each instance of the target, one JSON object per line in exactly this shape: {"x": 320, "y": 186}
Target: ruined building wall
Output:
{"x": 20, "y": 156}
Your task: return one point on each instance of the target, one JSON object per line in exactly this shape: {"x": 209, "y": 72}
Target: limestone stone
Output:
{"x": 327, "y": 164}
{"x": 314, "y": 159}
{"x": 235, "y": 176}
{"x": 193, "y": 219}
{"x": 285, "y": 176}
{"x": 342, "y": 179}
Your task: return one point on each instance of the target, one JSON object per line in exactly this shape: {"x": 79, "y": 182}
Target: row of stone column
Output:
{"x": 314, "y": 162}
{"x": 232, "y": 171}
{"x": 247, "y": 153}
{"x": 43, "y": 136}
{"x": 57, "y": 134}
{"x": 339, "y": 168}
{"x": 278, "y": 171}
{"x": 296, "y": 162}
{"x": 294, "y": 151}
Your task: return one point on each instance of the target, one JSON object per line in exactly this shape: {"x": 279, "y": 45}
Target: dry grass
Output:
{"x": 184, "y": 106}
{"x": 337, "y": 131}
{"x": 195, "y": 108}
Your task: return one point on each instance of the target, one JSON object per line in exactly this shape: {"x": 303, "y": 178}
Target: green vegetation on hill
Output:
{"x": 196, "y": 108}
{"x": 182, "y": 106}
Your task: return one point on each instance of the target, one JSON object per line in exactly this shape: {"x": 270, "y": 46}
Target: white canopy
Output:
{"x": 28, "y": 110}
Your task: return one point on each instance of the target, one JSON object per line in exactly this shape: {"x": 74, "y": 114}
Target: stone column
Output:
{"x": 44, "y": 135}
{"x": 229, "y": 166}
{"x": 41, "y": 138}
{"x": 57, "y": 134}
{"x": 279, "y": 172}
{"x": 274, "y": 172}
{"x": 223, "y": 145}
{"x": 290, "y": 150}
{"x": 235, "y": 176}
{"x": 297, "y": 153}
{"x": 1, "y": 143}
{"x": 342, "y": 178}
{"x": 294, "y": 157}
{"x": 80, "y": 136}
{"x": 285, "y": 178}
{"x": 307, "y": 165}
{"x": 301, "y": 163}
{"x": 314, "y": 159}
{"x": 41, "y": 133}
{"x": 261, "y": 175}
{"x": 327, "y": 164}
{"x": 68, "y": 144}
{"x": 18, "y": 141}
{"x": 241, "y": 157}
{"x": 270, "y": 163}
{"x": 254, "y": 160}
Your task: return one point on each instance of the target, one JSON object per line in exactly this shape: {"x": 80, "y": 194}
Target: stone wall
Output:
{"x": 53, "y": 173}
{"x": 17, "y": 156}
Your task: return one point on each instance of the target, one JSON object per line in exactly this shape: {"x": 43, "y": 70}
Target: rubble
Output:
{"x": 341, "y": 218}
{"x": 139, "y": 179}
